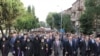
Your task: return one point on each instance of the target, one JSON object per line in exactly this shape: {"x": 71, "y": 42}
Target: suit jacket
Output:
{"x": 97, "y": 49}
{"x": 57, "y": 48}
{"x": 49, "y": 43}
{"x": 70, "y": 48}
{"x": 75, "y": 44}
{"x": 92, "y": 45}
{"x": 84, "y": 47}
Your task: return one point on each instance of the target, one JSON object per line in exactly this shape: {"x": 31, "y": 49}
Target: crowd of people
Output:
{"x": 46, "y": 44}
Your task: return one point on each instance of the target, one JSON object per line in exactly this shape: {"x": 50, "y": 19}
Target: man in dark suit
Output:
{"x": 97, "y": 47}
{"x": 23, "y": 40}
{"x": 92, "y": 44}
{"x": 69, "y": 47}
{"x": 75, "y": 45}
{"x": 12, "y": 41}
{"x": 48, "y": 45}
{"x": 64, "y": 42}
{"x": 85, "y": 48}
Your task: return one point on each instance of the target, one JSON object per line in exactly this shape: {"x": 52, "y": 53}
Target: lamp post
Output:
{"x": 61, "y": 20}
{"x": 52, "y": 21}
{"x": 61, "y": 17}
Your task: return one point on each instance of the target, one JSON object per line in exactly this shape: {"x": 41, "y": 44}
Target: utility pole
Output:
{"x": 61, "y": 20}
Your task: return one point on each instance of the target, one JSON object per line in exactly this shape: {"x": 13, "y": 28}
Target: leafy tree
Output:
{"x": 54, "y": 20}
{"x": 91, "y": 16}
{"x": 42, "y": 24}
{"x": 86, "y": 22}
{"x": 27, "y": 21}
{"x": 57, "y": 20}
{"x": 10, "y": 9}
{"x": 29, "y": 9}
{"x": 66, "y": 22}
{"x": 50, "y": 20}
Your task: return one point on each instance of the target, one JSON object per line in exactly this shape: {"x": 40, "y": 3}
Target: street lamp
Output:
{"x": 52, "y": 21}
{"x": 61, "y": 17}
{"x": 61, "y": 20}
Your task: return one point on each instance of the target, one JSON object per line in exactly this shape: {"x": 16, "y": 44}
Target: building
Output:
{"x": 68, "y": 11}
{"x": 77, "y": 10}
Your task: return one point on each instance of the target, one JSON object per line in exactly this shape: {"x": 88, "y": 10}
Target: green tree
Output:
{"x": 27, "y": 21}
{"x": 10, "y": 9}
{"x": 90, "y": 17}
{"x": 50, "y": 20}
{"x": 66, "y": 23}
{"x": 42, "y": 24}
{"x": 29, "y": 9}
{"x": 54, "y": 21}
{"x": 57, "y": 20}
{"x": 86, "y": 22}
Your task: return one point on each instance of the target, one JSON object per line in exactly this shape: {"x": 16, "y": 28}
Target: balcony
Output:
{"x": 74, "y": 19}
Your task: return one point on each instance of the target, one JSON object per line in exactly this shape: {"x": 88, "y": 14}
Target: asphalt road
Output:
{"x": 8, "y": 55}
{"x": 11, "y": 54}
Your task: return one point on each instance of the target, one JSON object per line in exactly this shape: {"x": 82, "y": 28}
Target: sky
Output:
{"x": 43, "y": 7}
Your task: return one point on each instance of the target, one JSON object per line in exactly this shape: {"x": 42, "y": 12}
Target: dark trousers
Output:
{"x": 69, "y": 54}
{"x": 97, "y": 54}
{"x": 75, "y": 54}
{"x": 5, "y": 54}
{"x": 85, "y": 53}
{"x": 36, "y": 54}
{"x": 64, "y": 52}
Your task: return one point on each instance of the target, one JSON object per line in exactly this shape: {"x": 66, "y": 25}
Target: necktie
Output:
{"x": 71, "y": 43}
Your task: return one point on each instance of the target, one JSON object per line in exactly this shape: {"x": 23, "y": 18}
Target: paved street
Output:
{"x": 11, "y": 54}
{"x": 8, "y": 55}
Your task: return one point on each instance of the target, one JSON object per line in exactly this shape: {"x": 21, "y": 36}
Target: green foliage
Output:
{"x": 9, "y": 11}
{"x": 54, "y": 21}
{"x": 29, "y": 9}
{"x": 67, "y": 25}
{"x": 27, "y": 21}
{"x": 91, "y": 14}
{"x": 57, "y": 20}
{"x": 50, "y": 20}
{"x": 42, "y": 24}
{"x": 86, "y": 22}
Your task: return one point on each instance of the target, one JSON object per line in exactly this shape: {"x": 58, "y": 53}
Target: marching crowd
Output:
{"x": 46, "y": 44}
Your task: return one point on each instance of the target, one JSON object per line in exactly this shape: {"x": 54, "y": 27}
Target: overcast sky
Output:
{"x": 43, "y": 7}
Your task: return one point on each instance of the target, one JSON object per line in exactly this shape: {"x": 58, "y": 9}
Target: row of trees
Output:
{"x": 54, "y": 21}
{"x": 27, "y": 21}
{"x": 90, "y": 19}
{"x": 14, "y": 16}
{"x": 9, "y": 10}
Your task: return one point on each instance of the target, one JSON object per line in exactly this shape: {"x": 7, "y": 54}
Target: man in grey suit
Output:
{"x": 57, "y": 46}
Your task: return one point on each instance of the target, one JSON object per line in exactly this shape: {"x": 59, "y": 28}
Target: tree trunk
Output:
{"x": 1, "y": 31}
{"x": 6, "y": 31}
{"x": 9, "y": 28}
